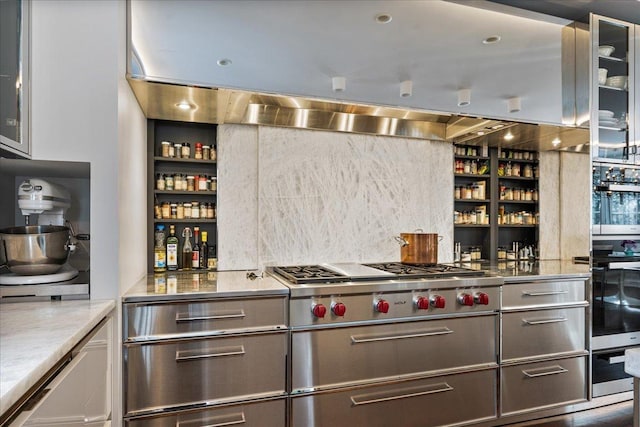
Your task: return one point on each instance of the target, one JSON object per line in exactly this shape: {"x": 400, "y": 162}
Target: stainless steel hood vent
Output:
{"x": 159, "y": 100}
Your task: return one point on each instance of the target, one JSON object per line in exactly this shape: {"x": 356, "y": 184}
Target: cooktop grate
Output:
{"x": 424, "y": 271}
{"x": 301, "y": 274}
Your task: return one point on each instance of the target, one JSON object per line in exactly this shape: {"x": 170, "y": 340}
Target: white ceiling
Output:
{"x": 296, "y": 47}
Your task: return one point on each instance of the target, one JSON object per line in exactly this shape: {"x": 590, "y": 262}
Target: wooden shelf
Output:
{"x": 184, "y": 221}
{"x": 189, "y": 160}
{"x": 190, "y": 193}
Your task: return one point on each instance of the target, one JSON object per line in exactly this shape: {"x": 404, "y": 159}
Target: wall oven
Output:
{"x": 616, "y": 199}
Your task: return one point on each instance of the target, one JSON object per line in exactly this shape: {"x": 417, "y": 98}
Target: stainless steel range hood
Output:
{"x": 158, "y": 100}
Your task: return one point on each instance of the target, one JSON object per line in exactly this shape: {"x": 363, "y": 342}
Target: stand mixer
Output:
{"x": 38, "y": 254}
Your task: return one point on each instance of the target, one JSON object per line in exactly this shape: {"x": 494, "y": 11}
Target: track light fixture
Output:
{"x": 514, "y": 105}
{"x": 406, "y": 88}
{"x": 339, "y": 84}
{"x": 464, "y": 97}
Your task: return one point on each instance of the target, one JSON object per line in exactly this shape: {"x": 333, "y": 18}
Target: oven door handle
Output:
{"x": 543, "y": 372}
{"x": 188, "y": 355}
{"x": 187, "y": 317}
{"x": 543, "y": 293}
{"x": 219, "y": 421}
{"x": 359, "y": 339}
{"x": 367, "y": 399}
{"x": 545, "y": 321}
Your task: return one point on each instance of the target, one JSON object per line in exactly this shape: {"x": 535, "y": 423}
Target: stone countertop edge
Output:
{"x": 35, "y": 336}
{"x": 632, "y": 362}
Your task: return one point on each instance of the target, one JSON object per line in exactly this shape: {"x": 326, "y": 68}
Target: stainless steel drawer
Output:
{"x": 176, "y": 373}
{"x": 438, "y": 401}
{"x": 325, "y": 357}
{"x": 540, "y": 332}
{"x": 164, "y": 320}
{"x": 269, "y": 413}
{"x": 532, "y": 294}
{"x": 544, "y": 384}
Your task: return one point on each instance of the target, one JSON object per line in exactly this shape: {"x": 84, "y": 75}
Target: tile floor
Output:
{"x": 618, "y": 415}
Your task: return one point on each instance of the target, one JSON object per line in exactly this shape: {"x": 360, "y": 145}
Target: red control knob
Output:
{"x": 438, "y": 301}
{"x": 382, "y": 306}
{"x": 319, "y": 310}
{"x": 338, "y": 308}
{"x": 465, "y": 299}
{"x": 422, "y": 303}
{"x": 481, "y": 298}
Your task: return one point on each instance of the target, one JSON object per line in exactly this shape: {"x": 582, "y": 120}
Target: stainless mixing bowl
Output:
{"x": 35, "y": 249}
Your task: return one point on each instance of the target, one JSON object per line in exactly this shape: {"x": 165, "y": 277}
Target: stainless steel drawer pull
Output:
{"x": 187, "y": 355}
{"x": 359, "y": 339}
{"x": 188, "y": 317}
{"x": 543, "y": 293}
{"x": 545, "y": 321}
{"x": 219, "y": 421}
{"x": 543, "y": 372}
{"x": 366, "y": 399}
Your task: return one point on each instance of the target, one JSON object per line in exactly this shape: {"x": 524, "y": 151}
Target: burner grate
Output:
{"x": 303, "y": 274}
{"x": 424, "y": 271}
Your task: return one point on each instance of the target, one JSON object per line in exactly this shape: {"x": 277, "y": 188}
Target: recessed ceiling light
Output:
{"x": 508, "y": 136}
{"x": 491, "y": 40}
{"x": 481, "y": 132}
{"x": 498, "y": 126}
{"x": 224, "y": 62}
{"x": 556, "y": 141}
{"x": 383, "y": 18}
{"x": 184, "y": 105}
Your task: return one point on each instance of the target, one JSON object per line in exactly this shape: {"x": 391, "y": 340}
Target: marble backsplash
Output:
{"x": 297, "y": 196}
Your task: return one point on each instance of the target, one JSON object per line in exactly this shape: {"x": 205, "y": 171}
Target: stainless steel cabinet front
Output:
{"x": 543, "y": 293}
{"x": 341, "y": 355}
{"x": 438, "y": 401}
{"x": 195, "y": 371}
{"x": 535, "y": 386}
{"x": 256, "y": 414}
{"x": 193, "y": 317}
{"x": 542, "y": 332}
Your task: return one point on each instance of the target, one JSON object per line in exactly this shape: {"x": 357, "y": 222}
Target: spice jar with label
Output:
{"x": 186, "y": 150}
{"x": 160, "y": 182}
{"x": 165, "y": 210}
{"x": 165, "y": 148}
{"x": 203, "y": 183}
{"x": 213, "y": 183}
{"x": 206, "y": 152}
{"x": 172, "y": 151}
{"x": 190, "y": 183}
{"x": 198, "y": 152}
{"x": 178, "y": 150}
{"x": 187, "y": 210}
{"x": 213, "y": 154}
{"x": 527, "y": 171}
{"x": 174, "y": 211}
{"x": 169, "y": 183}
{"x": 180, "y": 211}
{"x": 157, "y": 212}
{"x": 177, "y": 182}
{"x": 195, "y": 210}
{"x": 502, "y": 253}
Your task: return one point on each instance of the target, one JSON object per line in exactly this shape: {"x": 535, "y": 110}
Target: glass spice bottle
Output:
{"x": 165, "y": 148}
{"x": 178, "y": 150}
{"x": 187, "y": 210}
{"x": 206, "y": 152}
{"x": 195, "y": 210}
{"x": 186, "y": 150}
{"x": 160, "y": 182}
{"x": 198, "y": 152}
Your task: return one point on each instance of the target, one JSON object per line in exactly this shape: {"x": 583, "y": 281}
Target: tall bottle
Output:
{"x": 186, "y": 249}
{"x": 159, "y": 251}
{"x": 172, "y": 249}
{"x": 195, "y": 254}
{"x": 204, "y": 252}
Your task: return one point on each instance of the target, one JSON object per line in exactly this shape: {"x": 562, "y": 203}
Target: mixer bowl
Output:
{"x": 35, "y": 249}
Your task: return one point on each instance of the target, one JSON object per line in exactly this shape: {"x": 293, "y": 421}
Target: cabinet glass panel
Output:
{"x": 611, "y": 72}
{"x": 616, "y": 199}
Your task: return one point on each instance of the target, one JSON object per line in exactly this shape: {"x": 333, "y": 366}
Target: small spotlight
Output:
{"x": 492, "y": 39}
{"x": 480, "y": 132}
{"x": 339, "y": 84}
{"x": 508, "y": 136}
{"x": 224, "y": 62}
{"x": 406, "y": 88}
{"x": 556, "y": 141}
{"x": 383, "y": 18}
{"x": 184, "y": 105}
{"x": 514, "y": 105}
{"x": 464, "y": 97}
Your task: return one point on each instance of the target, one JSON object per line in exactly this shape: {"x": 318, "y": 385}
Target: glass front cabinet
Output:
{"x": 614, "y": 130}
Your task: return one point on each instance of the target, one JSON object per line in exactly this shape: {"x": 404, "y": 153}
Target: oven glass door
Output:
{"x": 616, "y": 299}
{"x": 616, "y": 199}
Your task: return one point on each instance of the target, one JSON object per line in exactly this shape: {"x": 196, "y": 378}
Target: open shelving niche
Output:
{"x": 490, "y": 236}
{"x": 179, "y": 132}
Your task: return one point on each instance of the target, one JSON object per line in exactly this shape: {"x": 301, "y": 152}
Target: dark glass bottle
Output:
{"x": 204, "y": 252}
{"x": 172, "y": 249}
{"x": 195, "y": 254}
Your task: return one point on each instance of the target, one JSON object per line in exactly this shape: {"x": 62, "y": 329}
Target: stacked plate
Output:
{"x": 619, "y": 82}
{"x": 605, "y": 50}
{"x": 605, "y": 118}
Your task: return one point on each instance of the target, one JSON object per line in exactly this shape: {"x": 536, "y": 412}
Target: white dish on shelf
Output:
{"x": 609, "y": 123}
{"x": 605, "y": 114}
{"x": 619, "y": 82}
{"x": 606, "y": 50}
{"x": 602, "y": 75}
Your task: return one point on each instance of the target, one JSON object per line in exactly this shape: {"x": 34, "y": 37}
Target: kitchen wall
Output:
{"x": 288, "y": 196}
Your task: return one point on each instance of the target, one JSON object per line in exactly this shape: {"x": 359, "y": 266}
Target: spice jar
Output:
{"x": 190, "y": 183}
{"x": 160, "y": 182}
{"x": 174, "y": 211}
{"x": 169, "y": 183}
{"x": 187, "y": 210}
{"x": 172, "y": 151}
{"x": 206, "y": 152}
{"x": 165, "y": 210}
{"x": 195, "y": 210}
{"x": 211, "y": 211}
{"x": 213, "y": 183}
{"x": 456, "y": 193}
{"x": 198, "y": 152}
{"x": 527, "y": 171}
{"x": 177, "y": 182}
{"x": 157, "y": 213}
{"x": 178, "y": 150}
{"x": 502, "y": 253}
{"x": 180, "y": 211}
{"x": 186, "y": 150}
{"x": 202, "y": 183}
{"x": 213, "y": 154}
{"x": 165, "y": 148}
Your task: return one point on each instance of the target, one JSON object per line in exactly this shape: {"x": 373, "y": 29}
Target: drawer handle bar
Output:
{"x": 359, "y": 339}
{"x": 186, "y": 317}
{"x": 187, "y": 355}
{"x": 557, "y": 369}
{"x": 545, "y": 321}
{"x": 220, "y": 421}
{"x": 543, "y": 293}
{"x": 410, "y": 392}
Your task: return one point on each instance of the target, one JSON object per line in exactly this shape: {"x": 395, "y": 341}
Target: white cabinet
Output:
{"x": 614, "y": 125}
{"x": 80, "y": 394}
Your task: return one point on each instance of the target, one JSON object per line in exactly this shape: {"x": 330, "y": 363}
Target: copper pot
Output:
{"x": 418, "y": 248}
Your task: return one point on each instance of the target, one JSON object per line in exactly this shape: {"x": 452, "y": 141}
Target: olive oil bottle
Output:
{"x": 186, "y": 249}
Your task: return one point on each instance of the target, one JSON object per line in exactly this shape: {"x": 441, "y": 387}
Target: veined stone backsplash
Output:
{"x": 297, "y": 196}
{"x": 288, "y": 196}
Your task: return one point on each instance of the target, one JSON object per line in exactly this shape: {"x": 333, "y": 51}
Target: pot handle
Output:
{"x": 400, "y": 240}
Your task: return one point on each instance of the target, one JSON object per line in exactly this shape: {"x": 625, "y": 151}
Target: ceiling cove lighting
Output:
{"x": 184, "y": 105}
{"x": 406, "y": 88}
{"x": 464, "y": 97}
{"x": 339, "y": 84}
{"x": 514, "y": 105}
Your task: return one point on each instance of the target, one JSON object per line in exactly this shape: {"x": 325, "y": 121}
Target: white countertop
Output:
{"x": 632, "y": 362}
{"x": 34, "y": 336}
